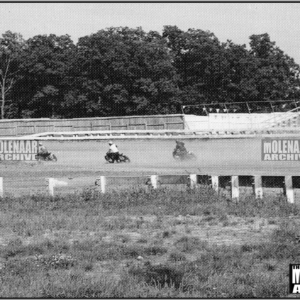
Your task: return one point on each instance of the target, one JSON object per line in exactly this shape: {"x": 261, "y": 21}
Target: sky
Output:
{"x": 228, "y": 21}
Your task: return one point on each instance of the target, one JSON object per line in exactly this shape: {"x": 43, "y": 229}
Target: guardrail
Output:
{"x": 157, "y": 134}
{"x": 104, "y": 133}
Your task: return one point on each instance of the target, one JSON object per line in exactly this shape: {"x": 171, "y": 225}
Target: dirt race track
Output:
{"x": 84, "y": 160}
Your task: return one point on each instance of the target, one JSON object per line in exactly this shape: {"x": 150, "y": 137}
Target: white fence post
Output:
{"x": 51, "y": 185}
{"x": 235, "y": 187}
{"x": 1, "y": 186}
{"x": 102, "y": 184}
{"x": 258, "y": 187}
{"x": 215, "y": 183}
{"x": 289, "y": 189}
{"x": 193, "y": 180}
{"x": 153, "y": 180}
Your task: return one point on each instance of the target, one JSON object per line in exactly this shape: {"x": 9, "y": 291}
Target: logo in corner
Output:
{"x": 280, "y": 149}
{"x": 294, "y": 278}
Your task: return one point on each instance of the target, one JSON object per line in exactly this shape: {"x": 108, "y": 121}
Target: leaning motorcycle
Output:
{"x": 184, "y": 156}
{"x": 122, "y": 158}
{"x": 50, "y": 157}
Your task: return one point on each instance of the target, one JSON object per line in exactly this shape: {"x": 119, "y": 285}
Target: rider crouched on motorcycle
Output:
{"x": 43, "y": 151}
{"x": 180, "y": 148}
{"x": 113, "y": 152}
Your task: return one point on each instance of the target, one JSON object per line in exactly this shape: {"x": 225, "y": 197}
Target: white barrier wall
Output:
{"x": 232, "y": 121}
{"x": 194, "y": 122}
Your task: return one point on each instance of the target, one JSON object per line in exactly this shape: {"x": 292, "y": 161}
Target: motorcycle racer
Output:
{"x": 180, "y": 148}
{"x": 43, "y": 151}
{"x": 113, "y": 151}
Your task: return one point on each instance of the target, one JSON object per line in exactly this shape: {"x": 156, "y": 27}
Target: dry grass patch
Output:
{"x": 157, "y": 244}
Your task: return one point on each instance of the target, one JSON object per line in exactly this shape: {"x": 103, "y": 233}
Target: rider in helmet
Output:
{"x": 180, "y": 148}
{"x": 113, "y": 151}
{"x": 43, "y": 150}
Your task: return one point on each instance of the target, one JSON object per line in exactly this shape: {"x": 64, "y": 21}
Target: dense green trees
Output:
{"x": 46, "y": 75}
{"x": 124, "y": 71}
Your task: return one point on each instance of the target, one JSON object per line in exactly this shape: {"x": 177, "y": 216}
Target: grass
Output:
{"x": 135, "y": 243}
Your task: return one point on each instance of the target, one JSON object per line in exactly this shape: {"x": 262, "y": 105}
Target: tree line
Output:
{"x": 125, "y": 71}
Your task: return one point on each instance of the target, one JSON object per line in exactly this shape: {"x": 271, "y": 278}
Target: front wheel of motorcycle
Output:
{"x": 108, "y": 159}
{"x": 53, "y": 158}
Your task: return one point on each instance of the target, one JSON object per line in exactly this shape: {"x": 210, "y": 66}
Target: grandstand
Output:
{"x": 242, "y": 107}
{"x": 243, "y": 116}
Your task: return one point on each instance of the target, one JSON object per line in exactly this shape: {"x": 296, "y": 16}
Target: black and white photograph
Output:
{"x": 150, "y": 150}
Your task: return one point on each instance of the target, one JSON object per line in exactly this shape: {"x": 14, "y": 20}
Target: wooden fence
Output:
{"x": 19, "y": 127}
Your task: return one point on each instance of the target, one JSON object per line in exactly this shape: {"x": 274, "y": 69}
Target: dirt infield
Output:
{"x": 85, "y": 159}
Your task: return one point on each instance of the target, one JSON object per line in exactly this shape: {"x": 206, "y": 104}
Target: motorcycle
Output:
{"x": 183, "y": 156}
{"x": 50, "y": 157}
{"x": 122, "y": 158}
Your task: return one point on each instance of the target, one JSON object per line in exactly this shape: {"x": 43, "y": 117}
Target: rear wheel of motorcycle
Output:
{"x": 54, "y": 158}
